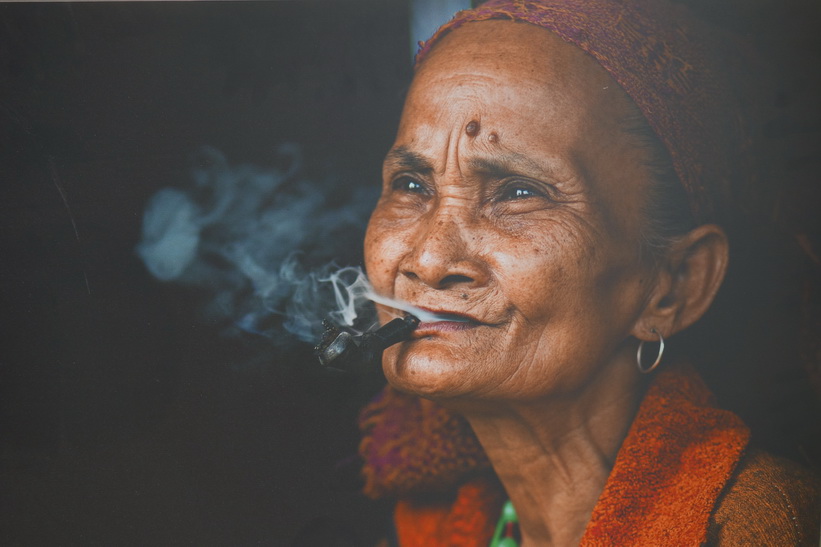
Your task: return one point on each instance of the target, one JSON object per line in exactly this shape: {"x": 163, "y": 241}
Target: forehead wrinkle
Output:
{"x": 452, "y": 156}
{"x": 470, "y": 89}
{"x": 551, "y": 65}
{"x": 403, "y": 158}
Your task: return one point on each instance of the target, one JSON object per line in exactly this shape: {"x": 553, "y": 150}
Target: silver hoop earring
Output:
{"x": 652, "y": 367}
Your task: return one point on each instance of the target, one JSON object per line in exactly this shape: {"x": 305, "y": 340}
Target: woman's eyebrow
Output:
{"x": 504, "y": 165}
{"x": 401, "y": 157}
{"x": 499, "y": 166}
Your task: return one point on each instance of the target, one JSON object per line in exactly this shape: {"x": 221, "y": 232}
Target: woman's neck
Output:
{"x": 554, "y": 455}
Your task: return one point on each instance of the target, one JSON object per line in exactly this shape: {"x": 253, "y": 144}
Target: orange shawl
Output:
{"x": 677, "y": 457}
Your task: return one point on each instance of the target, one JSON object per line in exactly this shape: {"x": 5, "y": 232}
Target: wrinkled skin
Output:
{"x": 512, "y": 196}
{"x": 512, "y": 203}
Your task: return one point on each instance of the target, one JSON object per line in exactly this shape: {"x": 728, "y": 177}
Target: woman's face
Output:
{"x": 511, "y": 200}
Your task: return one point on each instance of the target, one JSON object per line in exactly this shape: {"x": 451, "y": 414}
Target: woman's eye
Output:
{"x": 407, "y": 184}
{"x": 514, "y": 192}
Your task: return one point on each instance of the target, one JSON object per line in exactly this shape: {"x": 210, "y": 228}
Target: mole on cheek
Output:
{"x": 493, "y": 138}
{"x": 472, "y": 128}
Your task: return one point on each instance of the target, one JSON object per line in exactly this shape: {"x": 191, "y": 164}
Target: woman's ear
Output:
{"x": 686, "y": 283}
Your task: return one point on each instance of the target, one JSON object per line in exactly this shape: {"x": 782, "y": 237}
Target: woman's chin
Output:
{"x": 431, "y": 374}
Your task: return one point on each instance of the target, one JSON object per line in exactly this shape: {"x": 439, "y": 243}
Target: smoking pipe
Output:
{"x": 339, "y": 349}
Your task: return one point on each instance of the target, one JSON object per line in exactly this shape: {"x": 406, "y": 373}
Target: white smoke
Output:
{"x": 263, "y": 243}
{"x": 352, "y": 299}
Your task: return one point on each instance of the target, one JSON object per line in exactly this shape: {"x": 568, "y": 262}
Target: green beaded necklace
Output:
{"x": 507, "y": 528}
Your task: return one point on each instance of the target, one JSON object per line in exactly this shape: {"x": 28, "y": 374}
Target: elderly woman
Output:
{"x": 550, "y": 193}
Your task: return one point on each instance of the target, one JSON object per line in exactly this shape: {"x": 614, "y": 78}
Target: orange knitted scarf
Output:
{"x": 679, "y": 453}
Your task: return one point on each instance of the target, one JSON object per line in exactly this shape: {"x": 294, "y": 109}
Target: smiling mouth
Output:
{"x": 444, "y": 322}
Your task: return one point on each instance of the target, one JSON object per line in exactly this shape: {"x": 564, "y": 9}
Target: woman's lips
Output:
{"x": 448, "y": 322}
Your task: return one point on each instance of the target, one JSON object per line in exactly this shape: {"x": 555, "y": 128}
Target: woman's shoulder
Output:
{"x": 769, "y": 501}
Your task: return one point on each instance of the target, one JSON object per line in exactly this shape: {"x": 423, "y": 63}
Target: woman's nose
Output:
{"x": 445, "y": 255}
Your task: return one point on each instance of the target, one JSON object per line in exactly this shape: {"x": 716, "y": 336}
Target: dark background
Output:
{"x": 124, "y": 417}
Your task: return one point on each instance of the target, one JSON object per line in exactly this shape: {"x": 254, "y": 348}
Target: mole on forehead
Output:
{"x": 473, "y": 128}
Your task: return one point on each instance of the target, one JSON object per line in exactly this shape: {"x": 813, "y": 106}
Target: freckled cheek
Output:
{"x": 384, "y": 248}
{"x": 527, "y": 275}
{"x": 535, "y": 277}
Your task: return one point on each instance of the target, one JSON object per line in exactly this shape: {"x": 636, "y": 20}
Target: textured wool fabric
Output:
{"x": 415, "y": 446}
{"x": 769, "y": 501}
{"x": 466, "y": 520}
{"x": 677, "y": 457}
{"x": 666, "y": 61}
